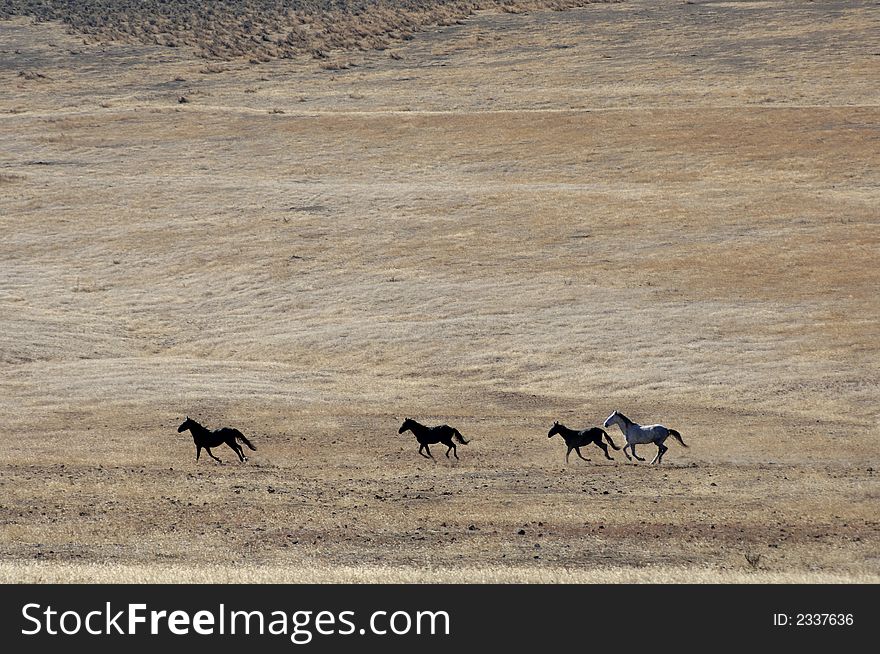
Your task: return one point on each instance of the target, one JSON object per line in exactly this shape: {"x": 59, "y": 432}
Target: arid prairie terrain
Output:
{"x": 665, "y": 208}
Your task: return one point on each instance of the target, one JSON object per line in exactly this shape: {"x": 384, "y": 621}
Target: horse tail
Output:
{"x": 459, "y": 437}
{"x": 610, "y": 442}
{"x": 677, "y": 437}
{"x": 244, "y": 440}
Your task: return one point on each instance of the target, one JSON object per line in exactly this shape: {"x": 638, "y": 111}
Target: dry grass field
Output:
{"x": 662, "y": 207}
{"x": 262, "y": 30}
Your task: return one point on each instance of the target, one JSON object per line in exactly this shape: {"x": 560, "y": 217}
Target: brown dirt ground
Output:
{"x": 665, "y": 208}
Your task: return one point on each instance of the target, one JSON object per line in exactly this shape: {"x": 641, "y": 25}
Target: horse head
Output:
{"x": 407, "y": 424}
{"x": 555, "y": 429}
{"x": 610, "y": 420}
{"x": 186, "y": 425}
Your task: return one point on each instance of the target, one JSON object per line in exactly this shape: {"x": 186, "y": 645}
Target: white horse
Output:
{"x": 637, "y": 434}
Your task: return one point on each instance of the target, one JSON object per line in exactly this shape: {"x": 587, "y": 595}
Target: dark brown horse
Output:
{"x": 430, "y": 435}
{"x": 577, "y": 439}
{"x": 209, "y": 438}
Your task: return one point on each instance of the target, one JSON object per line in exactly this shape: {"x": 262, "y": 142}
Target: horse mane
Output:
{"x": 559, "y": 428}
{"x": 196, "y": 423}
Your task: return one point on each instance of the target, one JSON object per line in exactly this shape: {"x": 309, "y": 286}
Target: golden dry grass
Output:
{"x": 91, "y": 573}
{"x": 668, "y": 209}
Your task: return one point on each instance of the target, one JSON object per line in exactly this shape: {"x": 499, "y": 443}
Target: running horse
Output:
{"x": 430, "y": 435}
{"x": 577, "y": 439}
{"x": 208, "y": 438}
{"x": 637, "y": 434}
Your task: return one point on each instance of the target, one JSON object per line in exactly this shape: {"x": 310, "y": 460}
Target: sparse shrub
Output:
{"x": 336, "y": 65}
{"x": 261, "y": 30}
{"x": 31, "y": 75}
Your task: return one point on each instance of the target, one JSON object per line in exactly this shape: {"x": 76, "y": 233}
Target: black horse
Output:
{"x": 575, "y": 439}
{"x": 430, "y": 435}
{"x": 209, "y": 438}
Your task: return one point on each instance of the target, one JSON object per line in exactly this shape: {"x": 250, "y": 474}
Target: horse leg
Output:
{"x": 211, "y": 454}
{"x": 448, "y": 450}
{"x": 241, "y": 457}
{"x": 629, "y": 458}
{"x": 428, "y": 450}
{"x": 567, "y": 453}
{"x": 422, "y": 453}
{"x": 632, "y": 448}
{"x": 454, "y": 451}
{"x": 604, "y": 449}
{"x": 578, "y": 450}
{"x": 198, "y": 451}
{"x": 661, "y": 451}
{"x": 233, "y": 447}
